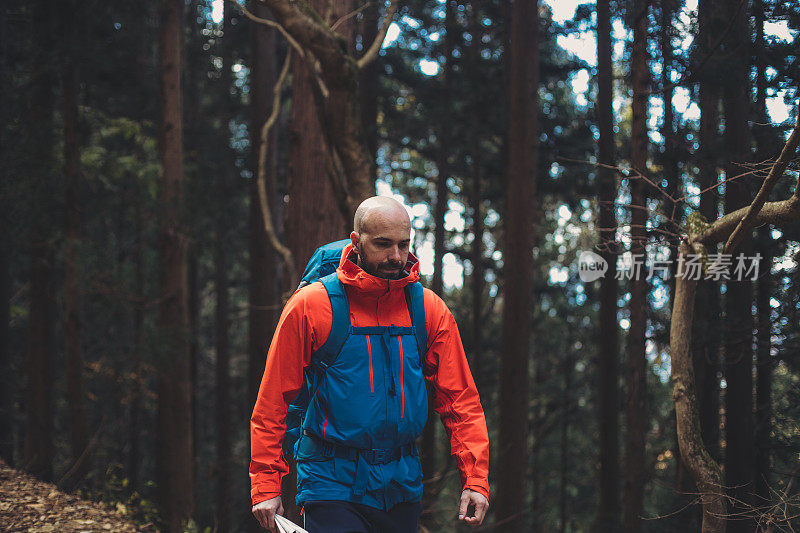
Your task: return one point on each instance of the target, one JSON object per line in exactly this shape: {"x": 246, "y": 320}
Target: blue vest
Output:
{"x": 368, "y": 404}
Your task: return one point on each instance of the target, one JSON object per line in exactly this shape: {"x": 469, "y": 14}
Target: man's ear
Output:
{"x": 354, "y": 240}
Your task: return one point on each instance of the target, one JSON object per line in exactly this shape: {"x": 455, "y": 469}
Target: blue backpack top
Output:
{"x": 322, "y": 267}
{"x": 324, "y": 261}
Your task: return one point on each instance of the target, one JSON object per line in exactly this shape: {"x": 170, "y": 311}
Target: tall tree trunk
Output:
{"x": 137, "y": 380}
{"x": 368, "y": 85}
{"x": 476, "y": 199}
{"x": 263, "y": 297}
{"x": 140, "y": 197}
{"x": 223, "y": 429}
{"x": 7, "y": 388}
{"x": 225, "y": 181}
{"x": 518, "y": 266}
{"x": 764, "y": 366}
{"x": 38, "y": 453}
{"x": 607, "y": 363}
{"x": 78, "y": 438}
{"x": 739, "y": 424}
{"x": 313, "y": 218}
{"x": 636, "y": 409}
{"x": 765, "y": 141}
{"x": 705, "y": 333}
{"x": 428, "y": 442}
{"x": 174, "y": 448}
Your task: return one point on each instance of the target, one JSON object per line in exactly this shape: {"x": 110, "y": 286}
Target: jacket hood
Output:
{"x": 351, "y": 274}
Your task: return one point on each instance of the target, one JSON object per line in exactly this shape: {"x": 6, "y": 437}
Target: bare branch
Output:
{"x": 775, "y": 173}
{"x": 375, "y": 47}
{"x": 770, "y": 213}
{"x": 261, "y": 182}
{"x": 271, "y": 24}
{"x": 353, "y": 13}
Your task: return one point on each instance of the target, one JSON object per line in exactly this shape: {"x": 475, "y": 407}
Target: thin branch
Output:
{"x": 271, "y": 24}
{"x": 352, "y": 14}
{"x": 375, "y": 47}
{"x": 775, "y": 173}
{"x": 261, "y": 180}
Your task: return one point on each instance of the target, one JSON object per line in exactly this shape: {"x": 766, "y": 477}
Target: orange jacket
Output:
{"x": 304, "y": 326}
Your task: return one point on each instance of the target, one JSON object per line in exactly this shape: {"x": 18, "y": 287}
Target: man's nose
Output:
{"x": 394, "y": 253}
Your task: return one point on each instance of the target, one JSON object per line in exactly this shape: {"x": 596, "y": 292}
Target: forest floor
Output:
{"x": 27, "y": 504}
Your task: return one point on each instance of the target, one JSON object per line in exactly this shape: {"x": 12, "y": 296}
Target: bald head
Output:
{"x": 381, "y": 237}
{"x": 379, "y": 207}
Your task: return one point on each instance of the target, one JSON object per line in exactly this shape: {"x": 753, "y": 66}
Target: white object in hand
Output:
{"x": 287, "y": 526}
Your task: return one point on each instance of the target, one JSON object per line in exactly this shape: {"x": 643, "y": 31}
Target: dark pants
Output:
{"x": 325, "y": 516}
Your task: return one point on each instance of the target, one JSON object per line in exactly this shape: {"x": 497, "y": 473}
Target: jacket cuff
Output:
{"x": 259, "y": 497}
{"x": 478, "y": 485}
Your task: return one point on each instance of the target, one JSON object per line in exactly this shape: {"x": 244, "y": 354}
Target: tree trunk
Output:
{"x": 636, "y": 409}
{"x": 138, "y": 343}
{"x": 39, "y": 448}
{"x": 7, "y": 385}
{"x": 313, "y": 217}
{"x": 368, "y": 86}
{"x": 704, "y": 470}
{"x": 765, "y": 141}
{"x": 338, "y": 106}
{"x": 705, "y": 333}
{"x": 607, "y": 365}
{"x": 476, "y": 199}
{"x": 764, "y": 366}
{"x": 224, "y": 184}
{"x": 78, "y": 438}
{"x": 518, "y": 266}
{"x": 739, "y": 423}
{"x": 174, "y": 457}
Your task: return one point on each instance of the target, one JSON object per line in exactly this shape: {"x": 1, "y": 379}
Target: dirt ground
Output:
{"x": 29, "y": 505}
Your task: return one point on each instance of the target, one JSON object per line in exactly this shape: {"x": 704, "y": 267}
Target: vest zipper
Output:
{"x": 402, "y": 388}
{"x": 371, "y": 378}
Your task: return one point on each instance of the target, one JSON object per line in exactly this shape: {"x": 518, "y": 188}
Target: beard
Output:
{"x": 385, "y": 270}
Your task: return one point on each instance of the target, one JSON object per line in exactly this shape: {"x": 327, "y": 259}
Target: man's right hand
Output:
{"x": 265, "y": 513}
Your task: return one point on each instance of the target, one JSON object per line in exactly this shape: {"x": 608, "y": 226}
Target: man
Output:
{"x": 357, "y": 467}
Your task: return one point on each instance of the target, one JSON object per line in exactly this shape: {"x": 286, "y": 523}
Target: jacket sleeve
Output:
{"x": 297, "y": 335}
{"x": 455, "y": 396}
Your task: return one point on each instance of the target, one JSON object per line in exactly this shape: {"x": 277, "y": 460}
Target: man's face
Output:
{"x": 383, "y": 244}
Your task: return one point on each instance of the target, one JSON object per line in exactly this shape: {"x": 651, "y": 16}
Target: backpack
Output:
{"x": 322, "y": 267}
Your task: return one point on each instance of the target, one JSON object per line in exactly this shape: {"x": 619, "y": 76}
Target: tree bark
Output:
{"x": 174, "y": 449}
{"x": 518, "y": 266}
{"x": 739, "y": 423}
{"x": 764, "y": 367}
{"x": 636, "y": 409}
{"x": 607, "y": 363}
{"x": 313, "y": 218}
{"x": 7, "y": 385}
{"x": 705, "y": 334}
{"x": 39, "y": 448}
{"x": 225, "y": 181}
{"x": 705, "y": 471}
{"x": 338, "y": 110}
{"x": 78, "y": 437}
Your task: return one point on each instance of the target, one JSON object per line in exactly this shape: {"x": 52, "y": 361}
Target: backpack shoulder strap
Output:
{"x": 416, "y": 309}
{"x": 340, "y": 325}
